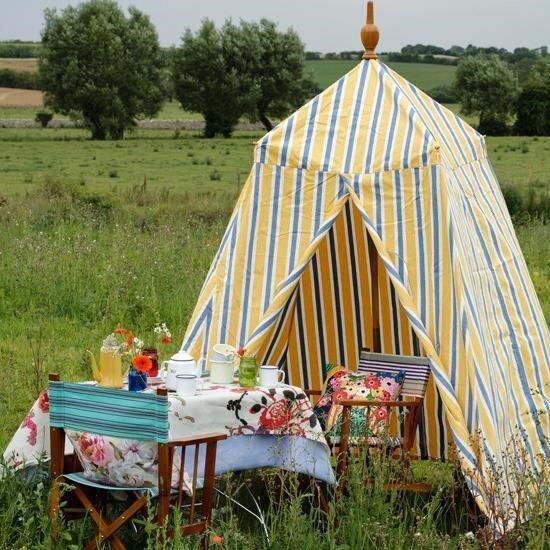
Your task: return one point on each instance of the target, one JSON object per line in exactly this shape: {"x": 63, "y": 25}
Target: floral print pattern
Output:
{"x": 344, "y": 384}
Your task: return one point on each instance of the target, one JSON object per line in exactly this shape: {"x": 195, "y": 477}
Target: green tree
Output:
{"x": 484, "y": 86}
{"x": 533, "y": 103}
{"x": 250, "y": 70}
{"x": 205, "y": 82}
{"x": 100, "y": 66}
{"x": 275, "y": 63}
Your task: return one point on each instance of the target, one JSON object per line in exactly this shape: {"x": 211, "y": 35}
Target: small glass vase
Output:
{"x": 153, "y": 354}
{"x": 248, "y": 371}
{"x": 137, "y": 381}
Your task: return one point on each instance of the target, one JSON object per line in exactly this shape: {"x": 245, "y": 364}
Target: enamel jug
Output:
{"x": 109, "y": 372}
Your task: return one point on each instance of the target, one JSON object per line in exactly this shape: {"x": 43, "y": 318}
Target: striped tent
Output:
{"x": 373, "y": 176}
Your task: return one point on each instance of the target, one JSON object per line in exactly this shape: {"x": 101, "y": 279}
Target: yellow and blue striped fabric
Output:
{"x": 373, "y": 155}
{"x": 109, "y": 412}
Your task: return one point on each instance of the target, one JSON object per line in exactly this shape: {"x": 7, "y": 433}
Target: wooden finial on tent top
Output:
{"x": 369, "y": 33}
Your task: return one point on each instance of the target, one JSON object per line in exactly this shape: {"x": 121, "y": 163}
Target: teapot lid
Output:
{"x": 182, "y": 355}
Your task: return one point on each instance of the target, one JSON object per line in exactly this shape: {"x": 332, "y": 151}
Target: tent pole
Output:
{"x": 373, "y": 261}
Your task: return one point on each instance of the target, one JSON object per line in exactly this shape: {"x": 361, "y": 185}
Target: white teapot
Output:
{"x": 179, "y": 363}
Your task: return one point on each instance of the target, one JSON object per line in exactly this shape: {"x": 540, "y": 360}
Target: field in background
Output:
{"x": 22, "y": 65}
{"x": 17, "y": 101}
{"x": 423, "y": 75}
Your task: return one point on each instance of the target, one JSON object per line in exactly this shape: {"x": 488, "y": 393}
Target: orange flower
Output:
{"x": 166, "y": 340}
{"x": 216, "y": 539}
{"x": 120, "y": 331}
{"x": 129, "y": 340}
{"x": 142, "y": 363}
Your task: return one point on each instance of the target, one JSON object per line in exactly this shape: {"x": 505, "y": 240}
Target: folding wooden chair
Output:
{"x": 136, "y": 416}
{"x": 417, "y": 373}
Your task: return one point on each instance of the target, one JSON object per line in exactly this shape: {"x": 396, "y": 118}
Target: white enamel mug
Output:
{"x": 271, "y": 376}
{"x": 221, "y": 372}
{"x": 186, "y": 384}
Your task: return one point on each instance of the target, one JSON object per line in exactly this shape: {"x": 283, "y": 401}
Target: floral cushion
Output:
{"x": 119, "y": 462}
{"x": 365, "y": 421}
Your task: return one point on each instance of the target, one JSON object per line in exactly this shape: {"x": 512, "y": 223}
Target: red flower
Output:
{"x": 338, "y": 395}
{"x": 386, "y": 396}
{"x": 44, "y": 401}
{"x": 166, "y": 340}
{"x": 381, "y": 413}
{"x": 372, "y": 382}
{"x": 241, "y": 352}
{"x": 120, "y": 331}
{"x": 216, "y": 539}
{"x": 142, "y": 363}
{"x": 129, "y": 340}
{"x": 276, "y": 416}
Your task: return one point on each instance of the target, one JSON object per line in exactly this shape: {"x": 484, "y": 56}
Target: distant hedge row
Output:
{"x": 18, "y": 79}
{"x": 20, "y": 50}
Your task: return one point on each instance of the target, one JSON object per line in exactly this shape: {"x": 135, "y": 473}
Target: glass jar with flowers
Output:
{"x": 162, "y": 337}
{"x": 248, "y": 369}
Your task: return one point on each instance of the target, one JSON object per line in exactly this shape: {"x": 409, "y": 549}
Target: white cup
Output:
{"x": 221, "y": 372}
{"x": 223, "y": 352}
{"x": 186, "y": 384}
{"x": 271, "y": 376}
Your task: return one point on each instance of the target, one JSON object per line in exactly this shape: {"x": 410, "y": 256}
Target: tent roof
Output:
{"x": 371, "y": 120}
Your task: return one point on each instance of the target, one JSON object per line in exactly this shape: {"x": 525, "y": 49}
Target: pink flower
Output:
{"x": 381, "y": 413}
{"x": 386, "y": 396}
{"x": 372, "y": 382}
{"x": 95, "y": 449}
{"x": 44, "y": 401}
{"x": 276, "y": 415}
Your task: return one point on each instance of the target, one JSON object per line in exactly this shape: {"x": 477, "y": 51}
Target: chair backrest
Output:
{"x": 109, "y": 412}
{"x": 417, "y": 370}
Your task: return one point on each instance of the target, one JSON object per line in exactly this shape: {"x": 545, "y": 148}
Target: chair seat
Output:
{"x": 79, "y": 478}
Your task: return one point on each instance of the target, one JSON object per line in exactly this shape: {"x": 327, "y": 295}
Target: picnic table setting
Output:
{"x": 267, "y": 422}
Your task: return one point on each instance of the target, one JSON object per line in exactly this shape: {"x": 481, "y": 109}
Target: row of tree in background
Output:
{"x": 108, "y": 69}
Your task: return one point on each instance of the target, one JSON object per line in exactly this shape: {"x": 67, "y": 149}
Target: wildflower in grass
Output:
{"x": 120, "y": 331}
{"x": 216, "y": 539}
{"x": 142, "y": 363}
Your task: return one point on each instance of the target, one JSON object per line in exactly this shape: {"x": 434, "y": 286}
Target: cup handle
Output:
{"x": 281, "y": 376}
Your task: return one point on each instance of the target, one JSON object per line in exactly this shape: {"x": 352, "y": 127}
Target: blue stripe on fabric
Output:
{"x": 408, "y": 139}
{"x": 204, "y": 317}
{"x": 425, "y": 148}
{"x": 249, "y": 266}
{"x": 420, "y": 243}
{"x": 272, "y": 237}
{"x": 229, "y": 281}
{"x": 393, "y": 122}
{"x": 319, "y": 190}
{"x": 296, "y": 212}
{"x": 466, "y": 134}
{"x": 374, "y": 126}
{"x": 515, "y": 346}
{"x": 263, "y": 149}
{"x": 286, "y": 141}
{"x": 309, "y": 136}
{"x": 379, "y": 206}
{"x": 352, "y": 134}
{"x": 399, "y": 222}
{"x": 332, "y": 124}
{"x": 220, "y": 249}
{"x": 451, "y": 131}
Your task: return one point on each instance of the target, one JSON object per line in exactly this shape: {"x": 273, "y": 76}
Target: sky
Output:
{"x": 330, "y": 25}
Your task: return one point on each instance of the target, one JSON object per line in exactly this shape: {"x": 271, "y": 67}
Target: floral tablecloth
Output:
{"x": 284, "y": 412}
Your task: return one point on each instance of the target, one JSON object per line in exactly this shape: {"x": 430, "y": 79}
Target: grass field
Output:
{"x": 28, "y": 65}
{"x": 100, "y": 234}
{"x": 425, "y": 76}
